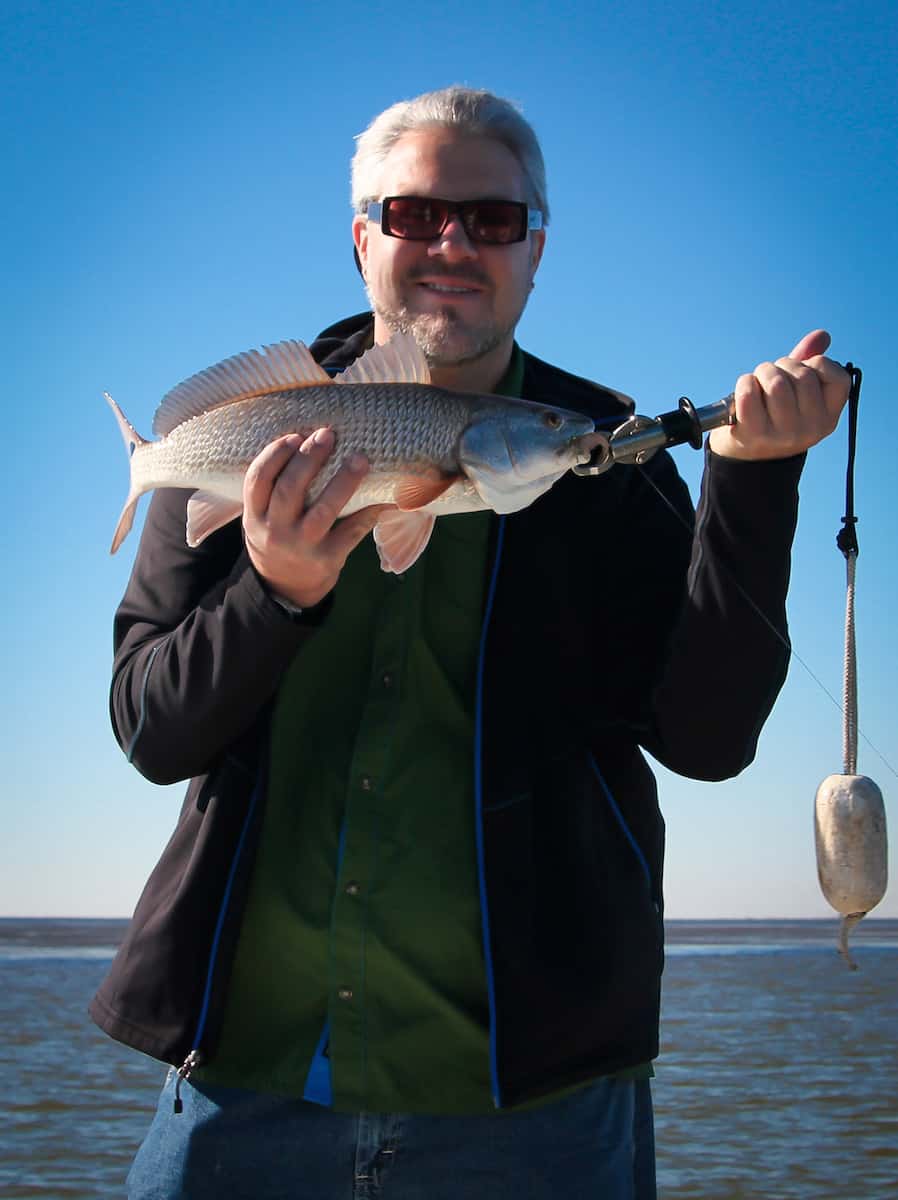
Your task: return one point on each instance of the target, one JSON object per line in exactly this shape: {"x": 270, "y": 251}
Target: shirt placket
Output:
{"x": 369, "y": 818}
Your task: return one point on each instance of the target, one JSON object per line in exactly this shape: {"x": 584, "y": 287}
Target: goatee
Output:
{"x": 444, "y": 338}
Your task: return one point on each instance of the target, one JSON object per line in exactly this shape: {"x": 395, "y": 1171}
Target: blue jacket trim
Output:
{"x": 637, "y": 849}
{"x": 478, "y": 803}
{"x": 219, "y": 924}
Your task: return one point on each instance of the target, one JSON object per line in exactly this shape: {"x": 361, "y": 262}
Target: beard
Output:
{"x": 446, "y": 338}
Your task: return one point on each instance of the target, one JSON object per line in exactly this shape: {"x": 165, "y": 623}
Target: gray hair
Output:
{"x": 472, "y": 112}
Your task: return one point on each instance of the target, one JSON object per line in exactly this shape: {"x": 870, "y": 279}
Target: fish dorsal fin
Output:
{"x": 397, "y": 361}
{"x": 276, "y": 368}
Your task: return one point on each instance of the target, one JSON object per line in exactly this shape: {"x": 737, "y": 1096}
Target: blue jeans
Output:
{"x": 229, "y": 1144}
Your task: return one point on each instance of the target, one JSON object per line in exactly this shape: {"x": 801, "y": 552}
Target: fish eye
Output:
{"x": 553, "y": 419}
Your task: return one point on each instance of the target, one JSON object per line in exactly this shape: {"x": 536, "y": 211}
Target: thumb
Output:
{"x": 811, "y": 345}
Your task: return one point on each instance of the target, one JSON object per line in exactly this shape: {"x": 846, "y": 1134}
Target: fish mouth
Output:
{"x": 581, "y": 444}
{"x": 585, "y": 443}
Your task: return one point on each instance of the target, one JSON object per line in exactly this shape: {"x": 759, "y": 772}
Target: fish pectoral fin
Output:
{"x": 207, "y": 512}
{"x": 401, "y": 538}
{"x": 417, "y": 491}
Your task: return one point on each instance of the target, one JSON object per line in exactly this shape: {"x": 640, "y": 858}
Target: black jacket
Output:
{"x": 608, "y": 627}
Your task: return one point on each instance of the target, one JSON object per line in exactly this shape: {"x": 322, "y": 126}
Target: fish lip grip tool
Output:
{"x": 639, "y": 437}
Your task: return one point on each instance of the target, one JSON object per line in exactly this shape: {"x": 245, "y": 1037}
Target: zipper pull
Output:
{"x": 193, "y": 1059}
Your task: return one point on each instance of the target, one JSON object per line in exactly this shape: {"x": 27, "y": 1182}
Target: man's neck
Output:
{"x": 480, "y": 375}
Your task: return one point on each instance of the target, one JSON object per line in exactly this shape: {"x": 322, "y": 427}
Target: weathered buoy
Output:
{"x": 852, "y": 849}
{"x": 849, "y": 813}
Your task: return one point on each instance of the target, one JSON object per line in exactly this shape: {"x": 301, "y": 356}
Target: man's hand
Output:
{"x": 300, "y": 551}
{"x": 787, "y": 406}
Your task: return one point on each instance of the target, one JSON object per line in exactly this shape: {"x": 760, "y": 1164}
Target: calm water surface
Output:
{"x": 778, "y": 1076}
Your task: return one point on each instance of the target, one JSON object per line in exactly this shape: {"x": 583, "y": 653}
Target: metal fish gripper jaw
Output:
{"x": 638, "y": 438}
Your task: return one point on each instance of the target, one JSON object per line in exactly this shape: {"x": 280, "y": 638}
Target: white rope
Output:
{"x": 849, "y": 727}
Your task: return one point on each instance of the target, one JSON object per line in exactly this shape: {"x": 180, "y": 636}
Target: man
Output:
{"x": 407, "y": 937}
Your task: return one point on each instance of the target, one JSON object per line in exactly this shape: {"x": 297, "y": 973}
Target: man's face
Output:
{"x": 460, "y": 299}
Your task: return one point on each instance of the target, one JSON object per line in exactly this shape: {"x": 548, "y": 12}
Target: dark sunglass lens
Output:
{"x": 498, "y": 222}
{"x": 414, "y": 217}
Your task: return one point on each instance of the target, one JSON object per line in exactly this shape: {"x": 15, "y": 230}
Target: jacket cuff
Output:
{"x": 312, "y": 615}
{"x": 757, "y": 471}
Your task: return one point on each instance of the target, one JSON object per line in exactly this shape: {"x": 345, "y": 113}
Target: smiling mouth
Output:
{"x": 445, "y": 289}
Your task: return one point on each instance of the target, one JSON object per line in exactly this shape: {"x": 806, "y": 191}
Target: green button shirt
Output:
{"x": 364, "y": 909}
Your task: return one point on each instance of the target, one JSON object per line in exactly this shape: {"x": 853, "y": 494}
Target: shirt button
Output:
{"x": 345, "y": 993}
{"x": 352, "y": 888}
{"x": 366, "y": 783}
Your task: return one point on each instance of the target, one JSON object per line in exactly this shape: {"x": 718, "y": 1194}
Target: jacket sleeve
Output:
{"x": 728, "y": 651}
{"x": 199, "y": 644}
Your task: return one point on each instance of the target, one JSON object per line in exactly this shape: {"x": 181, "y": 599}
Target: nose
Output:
{"x": 453, "y": 243}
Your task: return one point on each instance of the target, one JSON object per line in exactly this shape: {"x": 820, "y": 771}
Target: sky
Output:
{"x": 722, "y": 178}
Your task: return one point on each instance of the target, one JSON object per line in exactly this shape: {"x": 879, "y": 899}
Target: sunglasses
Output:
{"x": 422, "y": 218}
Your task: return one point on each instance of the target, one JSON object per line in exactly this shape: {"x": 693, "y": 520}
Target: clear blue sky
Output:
{"x": 722, "y": 178}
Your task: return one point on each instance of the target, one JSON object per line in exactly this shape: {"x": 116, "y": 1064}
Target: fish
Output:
{"x": 431, "y": 451}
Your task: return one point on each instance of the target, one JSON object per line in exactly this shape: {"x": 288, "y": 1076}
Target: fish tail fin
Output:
{"x": 130, "y": 436}
{"x": 133, "y": 441}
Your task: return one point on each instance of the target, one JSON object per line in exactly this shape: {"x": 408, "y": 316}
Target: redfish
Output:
{"x": 431, "y": 451}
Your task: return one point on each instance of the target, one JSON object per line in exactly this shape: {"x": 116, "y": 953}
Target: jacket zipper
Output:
{"x": 193, "y": 1059}
{"x": 196, "y": 1057}
{"x": 478, "y": 819}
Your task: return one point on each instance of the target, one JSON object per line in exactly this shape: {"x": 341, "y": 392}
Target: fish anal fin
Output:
{"x": 281, "y": 367}
{"x": 401, "y": 538}
{"x": 417, "y": 491}
{"x": 125, "y": 521}
{"x": 207, "y": 512}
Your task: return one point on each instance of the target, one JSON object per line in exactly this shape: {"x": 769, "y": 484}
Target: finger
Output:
{"x": 835, "y": 384}
{"x": 814, "y": 343}
{"x": 353, "y": 529}
{"x": 263, "y": 472}
{"x": 750, "y": 412}
{"x": 806, "y": 386}
{"x": 780, "y": 398}
{"x": 290, "y": 492}
{"x": 321, "y": 515}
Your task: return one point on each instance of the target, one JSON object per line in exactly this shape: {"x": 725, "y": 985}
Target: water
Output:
{"x": 778, "y": 1076}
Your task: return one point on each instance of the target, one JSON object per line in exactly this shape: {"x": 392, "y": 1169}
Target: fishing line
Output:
{"x": 847, "y": 533}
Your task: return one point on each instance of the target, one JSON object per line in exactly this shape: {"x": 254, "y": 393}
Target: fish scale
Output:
{"x": 401, "y": 428}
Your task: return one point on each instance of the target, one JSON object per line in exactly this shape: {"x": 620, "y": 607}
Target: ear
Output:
{"x": 537, "y": 245}
{"x": 360, "y": 238}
